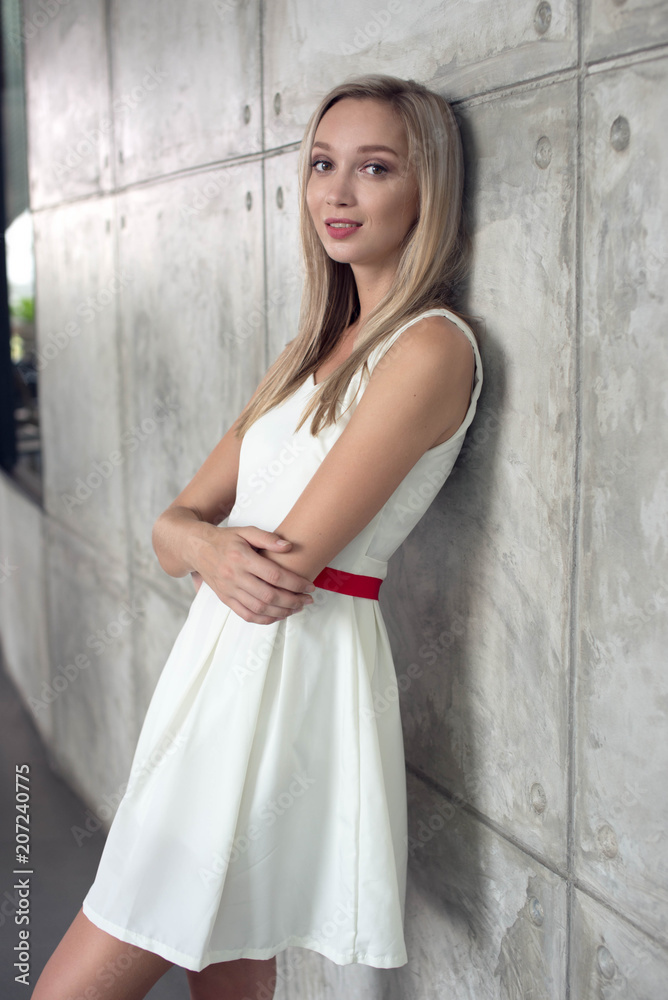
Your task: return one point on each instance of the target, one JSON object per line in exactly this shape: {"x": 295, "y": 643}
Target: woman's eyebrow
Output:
{"x": 360, "y": 149}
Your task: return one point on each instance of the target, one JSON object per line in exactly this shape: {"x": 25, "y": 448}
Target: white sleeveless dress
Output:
{"x": 266, "y": 804}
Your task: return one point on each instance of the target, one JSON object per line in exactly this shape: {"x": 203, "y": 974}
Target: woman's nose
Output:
{"x": 339, "y": 191}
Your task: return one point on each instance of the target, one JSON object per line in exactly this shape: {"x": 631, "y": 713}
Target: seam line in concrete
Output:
{"x": 263, "y": 189}
{"x": 576, "y": 514}
{"x": 182, "y": 172}
{"x": 632, "y": 58}
{"x": 474, "y": 813}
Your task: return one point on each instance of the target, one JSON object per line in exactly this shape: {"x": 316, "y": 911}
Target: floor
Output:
{"x": 63, "y": 869}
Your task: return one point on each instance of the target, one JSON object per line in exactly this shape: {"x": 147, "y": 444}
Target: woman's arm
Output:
{"x": 192, "y": 516}
{"x": 421, "y": 390}
{"x": 206, "y": 501}
{"x": 186, "y": 539}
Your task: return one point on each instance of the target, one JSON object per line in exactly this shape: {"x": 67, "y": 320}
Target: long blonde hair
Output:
{"x": 433, "y": 259}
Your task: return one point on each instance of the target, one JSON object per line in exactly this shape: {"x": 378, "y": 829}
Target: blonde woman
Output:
{"x": 266, "y": 805}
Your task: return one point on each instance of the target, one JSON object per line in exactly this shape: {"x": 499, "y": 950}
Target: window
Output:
{"x": 20, "y": 445}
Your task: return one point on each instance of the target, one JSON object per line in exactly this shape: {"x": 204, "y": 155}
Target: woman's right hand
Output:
{"x": 256, "y": 588}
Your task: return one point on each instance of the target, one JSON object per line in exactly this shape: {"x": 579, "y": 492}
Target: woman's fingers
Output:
{"x": 262, "y": 598}
{"x": 245, "y": 605}
{"x": 251, "y": 584}
{"x": 286, "y": 582}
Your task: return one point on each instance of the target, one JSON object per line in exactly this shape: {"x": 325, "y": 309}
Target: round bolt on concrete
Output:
{"x": 605, "y": 962}
{"x": 247, "y": 114}
{"x": 620, "y": 134}
{"x": 538, "y": 798}
{"x": 249, "y": 201}
{"x": 542, "y": 18}
{"x": 543, "y": 153}
{"x": 277, "y": 104}
{"x": 536, "y": 911}
{"x": 279, "y": 197}
{"x": 607, "y": 841}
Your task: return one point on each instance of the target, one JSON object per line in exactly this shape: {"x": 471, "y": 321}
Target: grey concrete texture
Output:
{"x": 77, "y": 292}
{"x": 614, "y": 27}
{"x": 461, "y": 48}
{"x": 70, "y": 126}
{"x": 622, "y": 687}
{"x": 91, "y": 698}
{"x": 532, "y": 595}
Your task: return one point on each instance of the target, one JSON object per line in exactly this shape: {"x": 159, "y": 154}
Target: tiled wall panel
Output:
{"x": 622, "y": 690}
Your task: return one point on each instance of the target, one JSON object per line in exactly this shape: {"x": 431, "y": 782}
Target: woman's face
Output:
{"x": 355, "y": 177}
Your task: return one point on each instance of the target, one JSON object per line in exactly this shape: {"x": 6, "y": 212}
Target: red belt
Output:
{"x": 348, "y": 583}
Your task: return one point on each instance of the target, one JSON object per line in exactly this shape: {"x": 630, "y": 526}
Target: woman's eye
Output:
{"x": 378, "y": 168}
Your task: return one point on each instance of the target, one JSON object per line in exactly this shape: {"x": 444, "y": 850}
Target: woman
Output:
{"x": 266, "y": 803}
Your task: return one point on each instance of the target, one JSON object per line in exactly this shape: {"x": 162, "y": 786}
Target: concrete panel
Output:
{"x": 78, "y": 287}
{"x": 285, "y": 273}
{"x": 67, "y": 100}
{"x": 482, "y": 920}
{"x": 23, "y": 627}
{"x": 91, "y": 697}
{"x": 613, "y": 27}
{"x": 612, "y": 959}
{"x": 192, "y": 356}
{"x": 459, "y": 48}
{"x": 478, "y": 596}
{"x": 622, "y": 697}
{"x": 186, "y": 84}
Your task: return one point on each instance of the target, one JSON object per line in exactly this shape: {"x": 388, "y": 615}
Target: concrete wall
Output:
{"x": 163, "y": 147}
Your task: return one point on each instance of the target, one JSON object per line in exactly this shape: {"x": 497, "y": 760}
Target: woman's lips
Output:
{"x": 340, "y": 232}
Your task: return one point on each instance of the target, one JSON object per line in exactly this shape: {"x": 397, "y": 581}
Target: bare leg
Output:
{"x": 89, "y": 959}
{"x": 240, "y": 979}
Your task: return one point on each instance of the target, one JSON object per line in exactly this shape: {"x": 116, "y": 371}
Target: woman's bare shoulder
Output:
{"x": 432, "y": 340}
